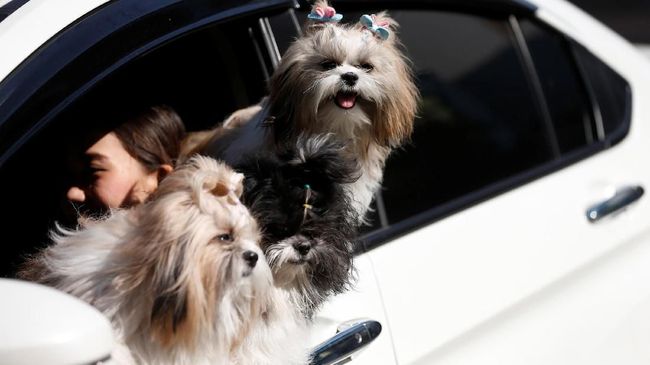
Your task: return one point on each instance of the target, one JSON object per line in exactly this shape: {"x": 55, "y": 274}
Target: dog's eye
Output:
{"x": 226, "y": 237}
{"x": 366, "y": 67}
{"x": 328, "y": 65}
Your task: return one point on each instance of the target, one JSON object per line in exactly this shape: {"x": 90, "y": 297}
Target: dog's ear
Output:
{"x": 174, "y": 310}
{"x": 397, "y": 113}
{"x": 321, "y": 15}
{"x": 237, "y": 183}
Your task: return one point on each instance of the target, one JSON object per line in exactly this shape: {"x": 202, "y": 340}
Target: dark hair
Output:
{"x": 153, "y": 136}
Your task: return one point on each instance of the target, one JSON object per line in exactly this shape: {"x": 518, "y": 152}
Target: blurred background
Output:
{"x": 630, "y": 18}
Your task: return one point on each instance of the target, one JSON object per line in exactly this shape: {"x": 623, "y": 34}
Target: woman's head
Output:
{"x": 124, "y": 166}
{"x": 153, "y": 136}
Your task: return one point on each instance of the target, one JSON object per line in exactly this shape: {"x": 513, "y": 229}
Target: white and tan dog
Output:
{"x": 181, "y": 277}
{"x": 351, "y": 80}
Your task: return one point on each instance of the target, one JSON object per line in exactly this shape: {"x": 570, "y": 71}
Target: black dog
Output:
{"x": 299, "y": 198}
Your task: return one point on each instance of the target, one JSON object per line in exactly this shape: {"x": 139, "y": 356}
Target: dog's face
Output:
{"x": 299, "y": 200}
{"x": 198, "y": 254}
{"x": 344, "y": 79}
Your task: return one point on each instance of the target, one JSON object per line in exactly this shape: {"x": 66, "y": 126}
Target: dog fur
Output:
{"x": 299, "y": 199}
{"x": 181, "y": 277}
{"x": 339, "y": 79}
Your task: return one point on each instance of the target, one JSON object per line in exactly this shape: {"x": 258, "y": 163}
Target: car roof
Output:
{"x": 31, "y": 25}
{"x": 9, "y": 6}
{"x": 35, "y": 22}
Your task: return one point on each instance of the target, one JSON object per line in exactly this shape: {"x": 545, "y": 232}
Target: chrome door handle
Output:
{"x": 623, "y": 197}
{"x": 339, "y": 348}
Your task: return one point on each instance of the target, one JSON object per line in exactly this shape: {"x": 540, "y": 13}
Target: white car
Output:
{"x": 513, "y": 229}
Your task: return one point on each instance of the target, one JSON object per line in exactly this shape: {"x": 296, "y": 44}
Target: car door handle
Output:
{"x": 622, "y": 198}
{"x": 339, "y": 348}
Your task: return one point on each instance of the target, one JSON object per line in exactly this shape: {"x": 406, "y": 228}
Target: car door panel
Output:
{"x": 606, "y": 299}
{"x": 478, "y": 268}
{"x": 363, "y": 301}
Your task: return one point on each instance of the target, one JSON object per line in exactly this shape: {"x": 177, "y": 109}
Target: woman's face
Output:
{"x": 111, "y": 178}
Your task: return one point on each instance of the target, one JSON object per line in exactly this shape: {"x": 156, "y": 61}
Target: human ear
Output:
{"x": 164, "y": 170}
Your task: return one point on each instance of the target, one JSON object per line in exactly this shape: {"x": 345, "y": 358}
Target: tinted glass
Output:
{"x": 205, "y": 76}
{"x": 478, "y": 122}
{"x": 564, "y": 91}
{"x": 611, "y": 93}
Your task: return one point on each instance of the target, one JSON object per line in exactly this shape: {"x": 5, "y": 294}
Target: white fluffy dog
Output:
{"x": 350, "y": 80}
{"x": 181, "y": 277}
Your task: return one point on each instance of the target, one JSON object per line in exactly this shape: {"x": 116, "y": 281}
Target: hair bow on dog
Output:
{"x": 378, "y": 28}
{"x": 327, "y": 14}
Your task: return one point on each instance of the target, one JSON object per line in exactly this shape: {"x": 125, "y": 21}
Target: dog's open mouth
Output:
{"x": 345, "y": 99}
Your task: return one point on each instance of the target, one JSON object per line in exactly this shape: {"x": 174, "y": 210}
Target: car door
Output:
{"x": 489, "y": 243}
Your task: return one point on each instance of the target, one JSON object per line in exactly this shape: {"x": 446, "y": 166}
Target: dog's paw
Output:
{"x": 241, "y": 116}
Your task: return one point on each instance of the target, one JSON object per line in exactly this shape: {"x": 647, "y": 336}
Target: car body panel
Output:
{"x": 593, "y": 35}
{"x": 363, "y": 301}
{"x": 33, "y": 24}
{"x": 471, "y": 270}
{"x": 596, "y": 315}
{"x": 42, "y": 325}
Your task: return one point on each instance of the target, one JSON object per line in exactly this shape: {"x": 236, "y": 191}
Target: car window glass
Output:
{"x": 477, "y": 121}
{"x": 205, "y": 75}
{"x": 610, "y": 91}
{"x": 564, "y": 91}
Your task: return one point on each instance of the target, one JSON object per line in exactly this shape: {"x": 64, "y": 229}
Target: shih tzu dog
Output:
{"x": 351, "y": 80}
{"x": 181, "y": 277}
{"x": 298, "y": 197}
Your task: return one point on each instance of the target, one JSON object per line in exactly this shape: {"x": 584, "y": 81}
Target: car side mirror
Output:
{"x": 41, "y": 325}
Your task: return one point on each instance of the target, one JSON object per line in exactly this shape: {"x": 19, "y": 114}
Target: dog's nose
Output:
{"x": 302, "y": 247}
{"x": 350, "y": 78}
{"x": 250, "y": 257}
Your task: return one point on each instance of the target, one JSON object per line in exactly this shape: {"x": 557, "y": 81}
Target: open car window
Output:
{"x": 219, "y": 64}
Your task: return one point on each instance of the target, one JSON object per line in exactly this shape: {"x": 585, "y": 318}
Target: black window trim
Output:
{"x": 516, "y": 7}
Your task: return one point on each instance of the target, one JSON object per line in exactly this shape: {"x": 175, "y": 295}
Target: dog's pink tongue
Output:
{"x": 346, "y": 101}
